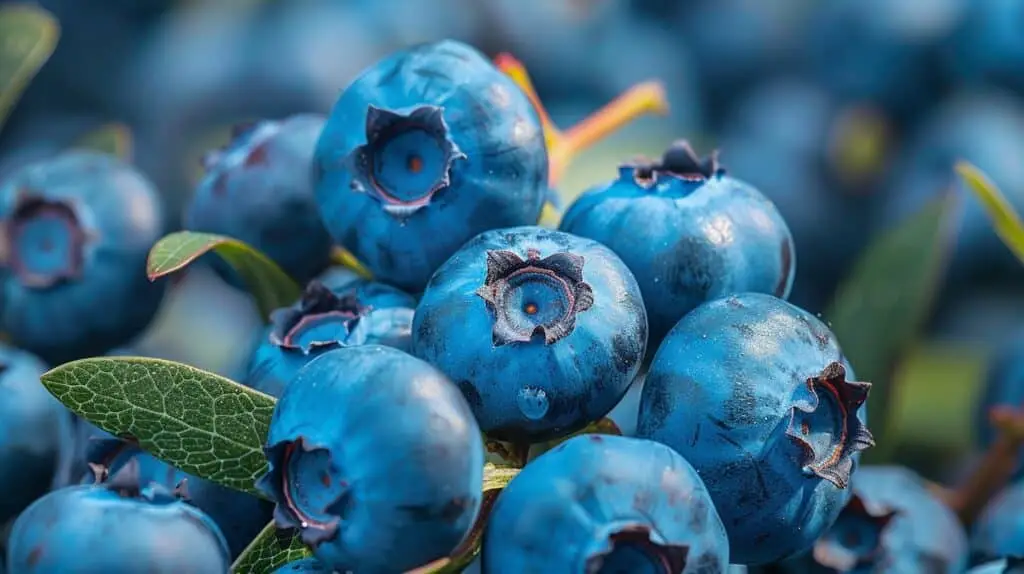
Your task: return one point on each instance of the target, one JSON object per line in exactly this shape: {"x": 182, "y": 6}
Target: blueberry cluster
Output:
{"x": 469, "y": 337}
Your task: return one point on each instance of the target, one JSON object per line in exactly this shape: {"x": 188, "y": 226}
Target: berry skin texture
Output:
{"x": 892, "y": 523}
{"x": 306, "y": 565}
{"x": 36, "y": 431}
{"x": 390, "y": 476}
{"x": 689, "y": 233}
{"x": 112, "y": 530}
{"x": 259, "y": 190}
{"x": 999, "y": 532}
{"x": 605, "y": 504}
{"x": 76, "y": 231}
{"x": 756, "y": 394}
{"x": 423, "y": 151}
{"x": 542, "y": 331}
{"x": 334, "y": 312}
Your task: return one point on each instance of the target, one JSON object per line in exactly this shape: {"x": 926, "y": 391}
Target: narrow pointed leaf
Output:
{"x": 269, "y": 285}
{"x": 343, "y": 257}
{"x": 1005, "y": 220}
{"x": 114, "y": 139}
{"x": 28, "y": 36}
{"x": 879, "y": 310}
{"x": 270, "y": 550}
{"x": 200, "y": 422}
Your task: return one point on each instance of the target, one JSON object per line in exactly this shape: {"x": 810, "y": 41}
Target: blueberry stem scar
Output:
{"x": 564, "y": 146}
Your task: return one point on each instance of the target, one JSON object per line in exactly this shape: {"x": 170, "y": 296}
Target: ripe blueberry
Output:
{"x": 542, "y": 330}
{"x": 424, "y": 150}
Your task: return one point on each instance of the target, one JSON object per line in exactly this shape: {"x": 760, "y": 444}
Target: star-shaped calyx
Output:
{"x": 37, "y": 229}
{"x": 824, "y": 423}
{"x": 856, "y": 537}
{"x": 664, "y": 558}
{"x": 291, "y": 326}
{"x": 679, "y": 162}
{"x": 557, "y": 283}
{"x": 406, "y": 191}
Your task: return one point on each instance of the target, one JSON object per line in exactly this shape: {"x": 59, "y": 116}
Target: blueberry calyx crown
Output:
{"x": 406, "y": 160}
{"x": 127, "y": 483}
{"x": 314, "y": 508}
{"x": 42, "y": 241}
{"x": 830, "y": 439}
{"x": 664, "y": 558}
{"x": 839, "y": 550}
{"x": 679, "y": 161}
{"x": 319, "y": 307}
{"x": 535, "y": 296}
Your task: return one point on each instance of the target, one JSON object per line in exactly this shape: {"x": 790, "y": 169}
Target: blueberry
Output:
{"x": 892, "y": 523}
{"x": 37, "y": 432}
{"x": 305, "y": 565}
{"x": 258, "y": 189}
{"x": 424, "y": 150}
{"x": 688, "y": 232}
{"x": 1003, "y": 386}
{"x": 543, "y": 331}
{"x": 985, "y": 128}
{"x": 1012, "y": 565}
{"x": 77, "y": 229}
{"x": 880, "y": 51}
{"x": 121, "y": 526}
{"x": 986, "y": 47}
{"x": 375, "y": 456}
{"x": 239, "y": 516}
{"x": 343, "y": 312}
{"x": 756, "y": 394}
{"x": 999, "y": 532}
{"x": 606, "y": 504}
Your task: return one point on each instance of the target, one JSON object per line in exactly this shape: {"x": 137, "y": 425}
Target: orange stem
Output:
{"x": 515, "y": 70}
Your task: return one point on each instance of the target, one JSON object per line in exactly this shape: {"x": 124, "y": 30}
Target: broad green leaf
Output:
{"x": 603, "y": 426}
{"x": 270, "y": 550}
{"x": 200, "y": 422}
{"x": 114, "y": 139}
{"x": 270, "y": 286}
{"x": 1005, "y": 220}
{"x": 879, "y": 309}
{"x": 344, "y": 257}
{"x": 28, "y": 36}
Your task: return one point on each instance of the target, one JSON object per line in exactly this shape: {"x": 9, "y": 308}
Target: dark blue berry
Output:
{"x": 376, "y": 458}
{"x": 122, "y": 526}
{"x": 543, "y": 331}
{"x": 76, "y": 231}
{"x": 424, "y": 150}
{"x": 343, "y": 312}
{"x": 688, "y": 232}
{"x": 259, "y": 190}
{"x": 756, "y": 394}
{"x": 606, "y": 504}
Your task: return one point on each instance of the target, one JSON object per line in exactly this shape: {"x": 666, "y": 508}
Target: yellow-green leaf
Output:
{"x": 28, "y": 36}
{"x": 879, "y": 309}
{"x": 113, "y": 138}
{"x": 1005, "y": 220}
{"x": 343, "y": 257}
{"x": 270, "y": 286}
{"x": 200, "y": 422}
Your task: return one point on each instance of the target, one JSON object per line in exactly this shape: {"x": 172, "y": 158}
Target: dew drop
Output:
{"x": 304, "y": 524}
{"x": 532, "y": 402}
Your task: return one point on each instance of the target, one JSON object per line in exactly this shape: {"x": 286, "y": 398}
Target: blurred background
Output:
{"x": 849, "y": 114}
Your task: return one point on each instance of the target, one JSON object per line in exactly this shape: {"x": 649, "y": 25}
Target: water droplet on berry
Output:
{"x": 304, "y": 524}
{"x": 532, "y": 402}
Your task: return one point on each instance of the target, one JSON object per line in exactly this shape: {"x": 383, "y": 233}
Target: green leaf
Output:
{"x": 1005, "y": 220}
{"x": 270, "y": 550}
{"x": 28, "y": 36}
{"x": 270, "y": 286}
{"x": 200, "y": 422}
{"x": 879, "y": 310}
{"x": 114, "y": 139}
{"x": 343, "y": 257}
